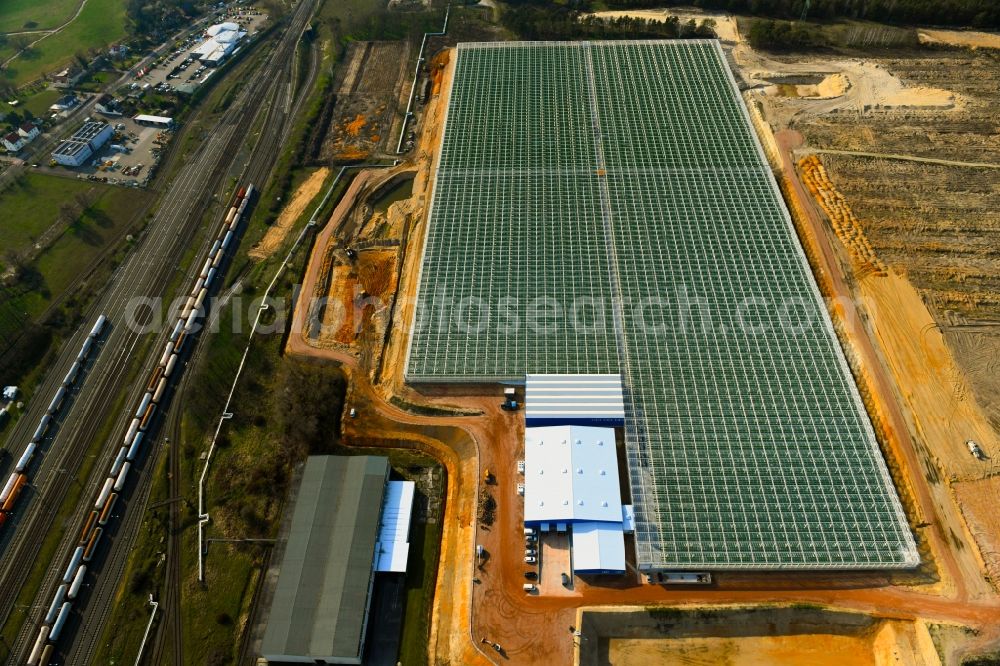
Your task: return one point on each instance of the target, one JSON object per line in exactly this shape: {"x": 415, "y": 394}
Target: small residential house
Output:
{"x": 13, "y": 142}
{"x": 65, "y": 102}
{"x": 108, "y": 106}
{"x": 28, "y": 131}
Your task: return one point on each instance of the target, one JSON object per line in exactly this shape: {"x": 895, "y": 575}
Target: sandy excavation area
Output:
{"x": 275, "y": 235}
{"x": 826, "y": 87}
{"x": 930, "y": 308}
{"x": 878, "y": 87}
{"x": 970, "y": 38}
{"x": 777, "y": 636}
{"x": 853, "y": 85}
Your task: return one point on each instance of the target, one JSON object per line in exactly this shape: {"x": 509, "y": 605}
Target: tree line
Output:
{"x": 157, "y": 19}
{"x": 558, "y": 23}
{"x": 971, "y": 13}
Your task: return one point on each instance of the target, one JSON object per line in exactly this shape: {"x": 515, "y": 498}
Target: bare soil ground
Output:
{"x": 934, "y": 312}
{"x": 357, "y": 300}
{"x": 980, "y": 498}
{"x": 819, "y": 87}
{"x": 944, "y": 411}
{"x": 936, "y": 223}
{"x": 275, "y": 235}
{"x": 761, "y": 635}
{"x": 969, "y": 38}
{"x": 367, "y": 97}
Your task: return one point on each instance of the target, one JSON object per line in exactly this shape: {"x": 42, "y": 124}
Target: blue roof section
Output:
{"x": 574, "y": 400}
{"x": 598, "y": 548}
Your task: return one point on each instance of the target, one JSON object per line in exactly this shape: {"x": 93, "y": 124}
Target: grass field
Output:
{"x": 29, "y": 208}
{"x": 101, "y": 23}
{"x": 17, "y": 15}
{"x": 31, "y": 205}
{"x": 36, "y": 101}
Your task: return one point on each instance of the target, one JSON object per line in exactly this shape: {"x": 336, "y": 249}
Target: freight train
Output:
{"x": 132, "y": 441}
{"x": 19, "y": 477}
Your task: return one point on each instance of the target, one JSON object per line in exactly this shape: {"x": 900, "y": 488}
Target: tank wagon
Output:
{"x": 125, "y": 457}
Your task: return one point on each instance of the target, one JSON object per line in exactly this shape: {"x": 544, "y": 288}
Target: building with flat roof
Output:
{"x": 343, "y": 512}
{"x": 222, "y": 39}
{"x": 571, "y": 484}
{"x": 598, "y": 548}
{"x": 393, "y": 547}
{"x": 164, "y": 122}
{"x": 570, "y": 475}
{"x": 86, "y": 141}
{"x": 594, "y": 400}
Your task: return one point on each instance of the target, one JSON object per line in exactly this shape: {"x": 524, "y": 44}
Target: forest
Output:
{"x": 966, "y": 13}
{"x": 552, "y": 22}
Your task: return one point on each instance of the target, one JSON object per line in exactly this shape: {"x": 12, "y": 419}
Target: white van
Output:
{"x": 529, "y": 587}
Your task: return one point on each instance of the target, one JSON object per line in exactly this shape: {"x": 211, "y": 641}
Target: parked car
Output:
{"x": 531, "y": 575}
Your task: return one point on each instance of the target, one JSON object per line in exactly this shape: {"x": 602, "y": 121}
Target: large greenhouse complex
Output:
{"x": 605, "y": 208}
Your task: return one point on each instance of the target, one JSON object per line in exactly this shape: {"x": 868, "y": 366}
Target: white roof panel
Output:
{"x": 228, "y": 36}
{"x": 393, "y": 545}
{"x": 598, "y": 547}
{"x": 571, "y": 474}
{"x": 206, "y": 47}
{"x": 228, "y": 26}
{"x": 573, "y": 398}
{"x": 145, "y": 118}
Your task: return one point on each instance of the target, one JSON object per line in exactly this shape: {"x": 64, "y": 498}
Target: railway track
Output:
{"x": 265, "y": 90}
{"x": 145, "y": 272}
{"x": 141, "y": 274}
{"x": 64, "y": 450}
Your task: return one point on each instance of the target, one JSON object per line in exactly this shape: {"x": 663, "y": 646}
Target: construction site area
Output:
{"x": 830, "y": 480}
{"x": 365, "y": 98}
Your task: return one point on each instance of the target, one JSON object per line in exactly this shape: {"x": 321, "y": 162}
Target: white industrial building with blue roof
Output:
{"x": 571, "y": 481}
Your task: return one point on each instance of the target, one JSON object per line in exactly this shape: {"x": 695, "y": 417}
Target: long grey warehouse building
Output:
{"x": 319, "y": 613}
{"x": 605, "y": 208}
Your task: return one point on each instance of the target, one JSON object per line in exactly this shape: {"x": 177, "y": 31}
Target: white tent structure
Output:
{"x": 223, "y": 39}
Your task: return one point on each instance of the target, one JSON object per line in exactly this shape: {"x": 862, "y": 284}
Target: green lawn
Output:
{"x": 101, "y": 23}
{"x": 37, "y": 101}
{"x": 16, "y": 15}
{"x": 30, "y": 207}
